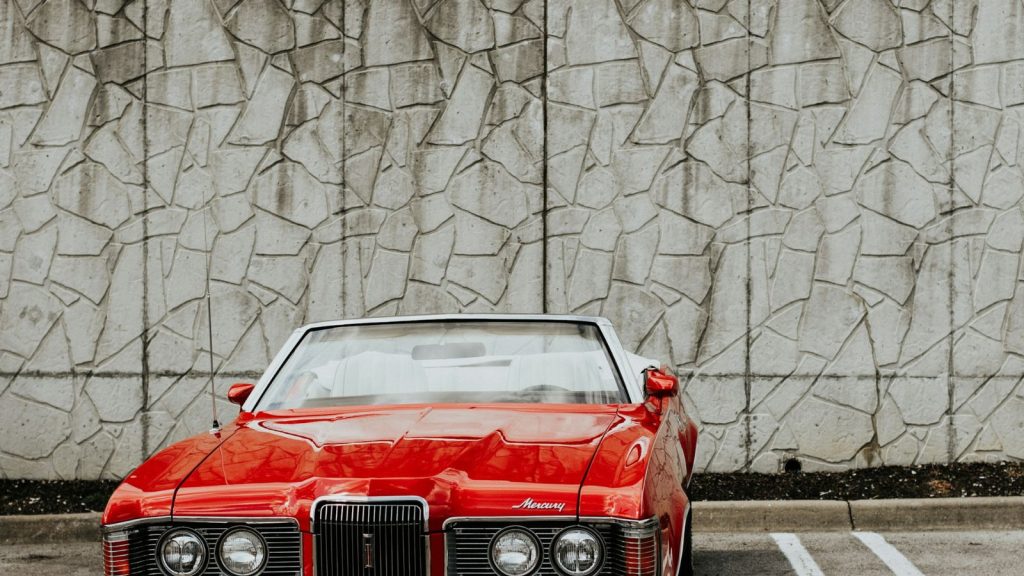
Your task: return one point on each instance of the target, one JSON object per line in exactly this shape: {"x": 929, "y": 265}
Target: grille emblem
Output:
{"x": 368, "y": 549}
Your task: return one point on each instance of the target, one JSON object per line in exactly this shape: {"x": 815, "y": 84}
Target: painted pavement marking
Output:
{"x": 888, "y": 553}
{"x": 797, "y": 555}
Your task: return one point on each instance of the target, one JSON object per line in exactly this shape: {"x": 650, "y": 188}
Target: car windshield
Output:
{"x": 447, "y": 362}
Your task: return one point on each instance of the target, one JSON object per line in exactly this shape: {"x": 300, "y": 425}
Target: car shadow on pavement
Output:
{"x": 758, "y": 562}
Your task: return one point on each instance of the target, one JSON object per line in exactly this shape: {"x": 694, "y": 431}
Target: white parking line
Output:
{"x": 797, "y": 555}
{"x": 892, "y": 557}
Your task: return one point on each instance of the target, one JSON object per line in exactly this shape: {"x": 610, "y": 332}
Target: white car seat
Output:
{"x": 575, "y": 371}
{"x": 370, "y": 373}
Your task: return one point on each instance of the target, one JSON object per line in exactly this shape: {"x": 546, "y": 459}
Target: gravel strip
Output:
{"x": 940, "y": 481}
{"x": 53, "y": 496}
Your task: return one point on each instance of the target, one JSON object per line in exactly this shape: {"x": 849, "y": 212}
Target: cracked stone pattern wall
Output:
{"x": 811, "y": 208}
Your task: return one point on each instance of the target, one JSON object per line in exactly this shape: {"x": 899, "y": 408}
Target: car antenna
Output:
{"x": 209, "y": 318}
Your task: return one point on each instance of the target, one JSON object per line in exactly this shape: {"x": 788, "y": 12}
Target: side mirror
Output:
{"x": 661, "y": 384}
{"x": 239, "y": 393}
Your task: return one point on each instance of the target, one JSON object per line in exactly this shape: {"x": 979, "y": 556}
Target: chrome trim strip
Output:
{"x": 652, "y": 521}
{"x": 118, "y": 526}
{"x": 637, "y": 524}
{"x": 450, "y": 317}
{"x": 108, "y": 528}
{"x": 515, "y": 519}
{"x": 236, "y": 519}
{"x": 313, "y": 539}
{"x": 637, "y": 528}
{"x": 315, "y": 568}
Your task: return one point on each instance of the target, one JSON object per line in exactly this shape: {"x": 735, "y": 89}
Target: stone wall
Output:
{"x": 812, "y": 208}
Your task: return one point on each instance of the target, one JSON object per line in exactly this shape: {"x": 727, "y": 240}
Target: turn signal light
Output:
{"x": 641, "y": 555}
{"x": 116, "y": 549}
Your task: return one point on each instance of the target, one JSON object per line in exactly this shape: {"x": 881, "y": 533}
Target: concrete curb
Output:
{"x": 895, "y": 515}
{"x": 771, "y": 516}
{"x": 939, "y": 514}
{"x": 48, "y": 528}
{"x": 757, "y": 516}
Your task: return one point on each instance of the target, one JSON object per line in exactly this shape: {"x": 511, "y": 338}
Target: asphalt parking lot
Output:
{"x": 860, "y": 554}
{"x": 812, "y": 554}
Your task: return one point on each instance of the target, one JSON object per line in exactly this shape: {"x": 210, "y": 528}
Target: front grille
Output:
{"x": 629, "y": 550}
{"x": 138, "y": 556}
{"x": 385, "y": 538}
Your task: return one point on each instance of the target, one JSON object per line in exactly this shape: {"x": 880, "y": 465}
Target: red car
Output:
{"x": 459, "y": 445}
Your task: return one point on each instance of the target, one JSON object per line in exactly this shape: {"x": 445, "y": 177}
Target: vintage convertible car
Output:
{"x": 460, "y": 445}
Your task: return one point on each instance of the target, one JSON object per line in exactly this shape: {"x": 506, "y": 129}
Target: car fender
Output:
{"x": 148, "y": 491}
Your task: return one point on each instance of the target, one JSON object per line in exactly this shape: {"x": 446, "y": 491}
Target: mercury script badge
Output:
{"x": 530, "y": 504}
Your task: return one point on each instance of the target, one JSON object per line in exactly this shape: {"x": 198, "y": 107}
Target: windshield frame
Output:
{"x": 629, "y": 387}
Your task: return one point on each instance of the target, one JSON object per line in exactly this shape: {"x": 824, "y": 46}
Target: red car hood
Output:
{"x": 464, "y": 460}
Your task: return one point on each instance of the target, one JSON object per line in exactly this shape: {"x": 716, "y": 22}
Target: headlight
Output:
{"x": 577, "y": 552}
{"x": 515, "y": 552}
{"x": 182, "y": 553}
{"x": 242, "y": 552}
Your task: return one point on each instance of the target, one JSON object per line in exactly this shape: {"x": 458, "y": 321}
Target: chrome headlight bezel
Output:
{"x": 598, "y": 541}
{"x": 256, "y": 536}
{"x": 200, "y": 566}
{"x": 538, "y": 550}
